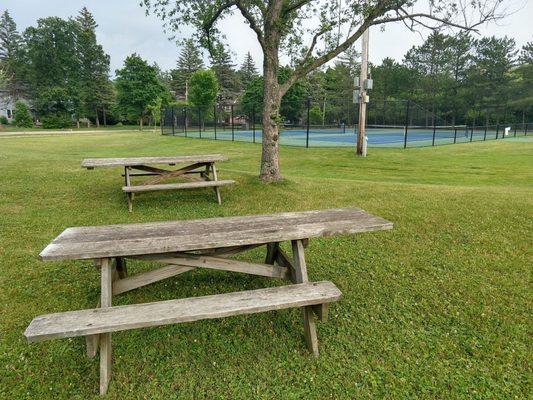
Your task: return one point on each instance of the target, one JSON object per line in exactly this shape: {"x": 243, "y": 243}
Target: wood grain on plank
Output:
{"x": 176, "y": 236}
{"x": 112, "y": 319}
{"x": 133, "y": 161}
{"x": 175, "y": 186}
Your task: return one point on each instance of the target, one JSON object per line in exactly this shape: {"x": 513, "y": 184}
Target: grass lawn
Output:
{"x": 438, "y": 308}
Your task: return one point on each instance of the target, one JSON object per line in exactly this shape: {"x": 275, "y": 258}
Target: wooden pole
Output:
{"x": 361, "y": 132}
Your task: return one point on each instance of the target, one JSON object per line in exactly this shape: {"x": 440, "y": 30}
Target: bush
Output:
{"x": 22, "y": 116}
{"x": 56, "y": 121}
{"x": 3, "y": 120}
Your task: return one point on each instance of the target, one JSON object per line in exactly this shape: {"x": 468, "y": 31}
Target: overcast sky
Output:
{"x": 124, "y": 29}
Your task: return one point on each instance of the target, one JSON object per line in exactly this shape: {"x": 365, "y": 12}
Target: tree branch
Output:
{"x": 295, "y": 6}
{"x": 251, "y": 20}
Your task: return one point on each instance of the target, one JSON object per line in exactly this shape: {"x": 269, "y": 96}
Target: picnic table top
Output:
{"x": 177, "y": 236}
{"x": 130, "y": 161}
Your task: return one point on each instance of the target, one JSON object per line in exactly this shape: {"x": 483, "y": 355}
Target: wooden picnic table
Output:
{"x": 200, "y": 171}
{"x": 183, "y": 246}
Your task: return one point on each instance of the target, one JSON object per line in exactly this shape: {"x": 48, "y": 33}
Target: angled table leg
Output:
{"x": 105, "y": 338}
{"x": 272, "y": 252}
{"x": 215, "y": 178}
{"x": 300, "y": 269}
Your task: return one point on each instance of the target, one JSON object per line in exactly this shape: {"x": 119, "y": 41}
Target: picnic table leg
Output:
{"x": 300, "y": 268}
{"x": 129, "y": 196}
{"x": 105, "y": 338}
{"x": 215, "y": 178}
{"x": 122, "y": 269}
{"x": 272, "y": 252}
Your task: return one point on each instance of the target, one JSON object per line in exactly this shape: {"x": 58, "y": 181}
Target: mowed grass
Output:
{"x": 438, "y": 308}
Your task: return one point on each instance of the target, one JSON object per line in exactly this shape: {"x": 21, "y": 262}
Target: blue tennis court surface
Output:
{"x": 336, "y": 137}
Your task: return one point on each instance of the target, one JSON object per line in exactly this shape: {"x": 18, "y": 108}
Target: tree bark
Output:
{"x": 96, "y": 117}
{"x": 270, "y": 171}
{"x": 141, "y": 123}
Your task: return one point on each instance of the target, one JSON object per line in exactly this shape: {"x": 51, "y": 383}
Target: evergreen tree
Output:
{"x": 248, "y": 70}
{"x": 189, "y": 61}
{"x": 96, "y": 93}
{"x": 11, "y": 55}
{"x": 225, "y": 72}
{"x": 489, "y": 77}
{"x": 526, "y": 55}
{"x": 22, "y": 116}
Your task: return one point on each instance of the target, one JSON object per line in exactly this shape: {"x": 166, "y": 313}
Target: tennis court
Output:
{"x": 384, "y": 136}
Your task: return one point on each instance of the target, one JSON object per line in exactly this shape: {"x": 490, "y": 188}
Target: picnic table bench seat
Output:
{"x": 120, "y": 318}
{"x": 172, "y": 186}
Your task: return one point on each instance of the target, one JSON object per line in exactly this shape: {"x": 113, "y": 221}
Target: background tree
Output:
{"x": 311, "y": 33}
{"x": 54, "y": 69}
{"x": 11, "y": 56}
{"x": 224, "y": 69}
{"x": 248, "y": 71}
{"x": 96, "y": 92}
{"x": 22, "y": 116}
{"x": 138, "y": 88}
{"x": 189, "y": 61}
{"x": 204, "y": 89}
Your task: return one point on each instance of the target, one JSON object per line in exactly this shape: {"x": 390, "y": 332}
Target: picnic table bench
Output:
{"x": 183, "y": 246}
{"x": 203, "y": 166}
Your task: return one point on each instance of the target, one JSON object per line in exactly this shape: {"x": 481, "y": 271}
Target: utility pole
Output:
{"x": 365, "y": 84}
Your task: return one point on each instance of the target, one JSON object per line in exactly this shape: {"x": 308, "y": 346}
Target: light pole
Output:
{"x": 362, "y": 84}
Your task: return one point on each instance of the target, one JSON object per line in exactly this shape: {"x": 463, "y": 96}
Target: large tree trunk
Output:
{"x": 271, "y": 104}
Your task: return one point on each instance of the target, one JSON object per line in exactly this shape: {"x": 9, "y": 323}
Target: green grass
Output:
{"x": 438, "y": 308}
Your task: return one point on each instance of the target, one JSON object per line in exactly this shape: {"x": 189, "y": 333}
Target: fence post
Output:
{"x": 307, "y": 124}
{"x": 185, "y": 120}
{"x": 173, "y": 121}
{"x": 232, "y": 125}
{"x": 434, "y": 132}
{"x": 406, "y": 125}
{"x": 253, "y": 122}
{"x": 199, "y": 122}
{"x": 454, "y": 134}
{"x": 215, "y": 118}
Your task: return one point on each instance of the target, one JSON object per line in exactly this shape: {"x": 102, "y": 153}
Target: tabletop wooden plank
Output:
{"x": 132, "y": 161}
{"x": 179, "y": 236}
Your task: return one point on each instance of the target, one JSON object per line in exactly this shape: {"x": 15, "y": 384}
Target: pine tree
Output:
{"x": 224, "y": 70}
{"x": 94, "y": 67}
{"x": 526, "y": 55}
{"x": 248, "y": 70}
{"x": 11, "y": 52}
{"x": 189, "y": 61}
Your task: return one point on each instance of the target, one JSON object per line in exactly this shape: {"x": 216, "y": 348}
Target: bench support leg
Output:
{"x": 300, "y": 270}
{"x": 129, "y": 196}
{"x": 215, "y": 178}
{"x": 122, "y": 270}
{"x": 272, "y": 253}
{"x": 105, "y": 338}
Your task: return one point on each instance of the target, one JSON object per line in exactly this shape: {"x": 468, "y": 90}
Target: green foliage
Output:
{"x": 3, "y": 120}
{"x": 96, "y": 90}
{"x": 138, "y": 88}
{"x": 203, "y": 89}
{"x": 292, "y": 104}
{"x": 56, "y": 120}
{"x": 224, "y": 69}
{"x": 189, "y": 61}
{"x": 315, "y": 116}
{"x": 22, "y": 116}
{"x": 11, "y": 56}
{"x": 54, "y": 66}
{"x": 248, "y": 70}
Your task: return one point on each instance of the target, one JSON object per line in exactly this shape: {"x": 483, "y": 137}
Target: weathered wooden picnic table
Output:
{"x": 203, "y": 166}
{"x": 183, "y": 246}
